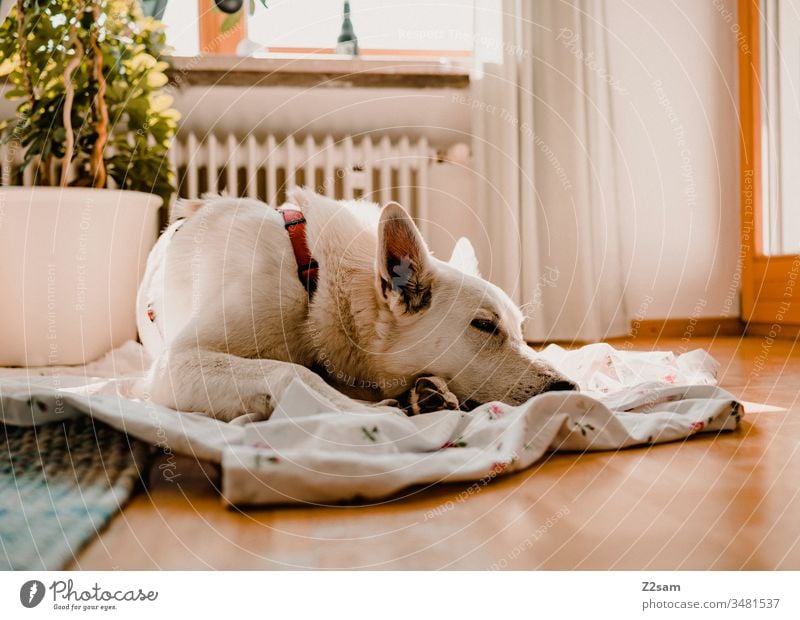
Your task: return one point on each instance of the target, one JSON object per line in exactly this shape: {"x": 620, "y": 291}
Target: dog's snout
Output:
{"x": 562, "y": 385}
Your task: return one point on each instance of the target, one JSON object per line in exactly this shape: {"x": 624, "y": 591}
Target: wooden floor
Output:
{"x": 713, "y": 502}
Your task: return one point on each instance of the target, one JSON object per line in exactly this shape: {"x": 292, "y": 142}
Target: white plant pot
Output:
{"x": 70, "y": 263}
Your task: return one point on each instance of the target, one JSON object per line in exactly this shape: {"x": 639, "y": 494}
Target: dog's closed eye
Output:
{"x": 485, "y": 325}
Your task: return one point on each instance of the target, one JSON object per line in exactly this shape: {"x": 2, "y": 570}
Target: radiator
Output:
{"x": 380, "y": 170}
{"x": 265, "y": 167}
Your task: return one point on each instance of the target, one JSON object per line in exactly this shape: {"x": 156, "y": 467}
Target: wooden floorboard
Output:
{"x": 730, "y": 501}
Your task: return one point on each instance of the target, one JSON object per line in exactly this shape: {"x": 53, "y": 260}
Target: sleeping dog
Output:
{"x": 238, "y": 298}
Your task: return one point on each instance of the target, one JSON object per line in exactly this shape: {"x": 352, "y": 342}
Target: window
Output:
{"x": 299, "y": 27}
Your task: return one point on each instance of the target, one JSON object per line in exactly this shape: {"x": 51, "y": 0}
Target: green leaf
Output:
{"x": 230, "y": 21}
{"x": 15, "y": 93}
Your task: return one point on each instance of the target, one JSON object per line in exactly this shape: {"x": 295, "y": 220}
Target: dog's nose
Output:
{"x": 562, "y": 385}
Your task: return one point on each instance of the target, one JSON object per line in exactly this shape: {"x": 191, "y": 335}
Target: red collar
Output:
{"x": 307, "y": 267}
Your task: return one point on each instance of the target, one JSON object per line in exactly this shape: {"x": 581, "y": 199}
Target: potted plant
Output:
{"x": 236, "y": 12}
{"x": 89, "y": 142}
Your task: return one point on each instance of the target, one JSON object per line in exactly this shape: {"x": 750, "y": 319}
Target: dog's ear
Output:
{"x": 464, "y": 258}
{"x": 404, "y": 275}
{"x": 185, "y": 207}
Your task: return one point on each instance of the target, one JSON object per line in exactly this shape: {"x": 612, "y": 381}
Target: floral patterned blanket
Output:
{"x": 308, "y": 452}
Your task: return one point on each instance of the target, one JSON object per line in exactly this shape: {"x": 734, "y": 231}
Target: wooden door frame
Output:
{"x": 768, "y": 283}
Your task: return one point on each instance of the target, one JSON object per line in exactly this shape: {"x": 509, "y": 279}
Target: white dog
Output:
{"x": 230, "y": 318}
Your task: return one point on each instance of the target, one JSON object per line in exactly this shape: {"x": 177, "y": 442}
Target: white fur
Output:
{"x": 233, "y": 322}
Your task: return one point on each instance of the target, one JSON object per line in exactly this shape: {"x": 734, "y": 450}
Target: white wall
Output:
{"x": 320, "y": 110}
{"x": 680, "y": 172}
{"x": 378, "y": 24}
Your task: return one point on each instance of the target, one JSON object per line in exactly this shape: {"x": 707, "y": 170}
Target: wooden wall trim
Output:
{"x": 705, "y": 327}
{"x": 776, "y": 331}
{"x": 652, "y": 330}
{"x": 750, "y": 181}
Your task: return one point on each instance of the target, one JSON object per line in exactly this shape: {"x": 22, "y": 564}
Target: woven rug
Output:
{"x": 60, "y": 483}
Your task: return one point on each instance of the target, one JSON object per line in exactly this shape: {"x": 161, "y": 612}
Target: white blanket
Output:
{"x": 309, "y": 452}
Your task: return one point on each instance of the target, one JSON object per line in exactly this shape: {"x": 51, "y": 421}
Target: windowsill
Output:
{"x": 325, "y": 70}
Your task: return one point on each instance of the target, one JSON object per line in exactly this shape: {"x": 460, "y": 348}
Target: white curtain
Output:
{"x": 545, "y": 157}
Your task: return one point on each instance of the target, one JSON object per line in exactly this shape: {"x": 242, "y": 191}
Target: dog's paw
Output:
{"x": 430, "y": 394}
{"x": 258, "y": 408}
